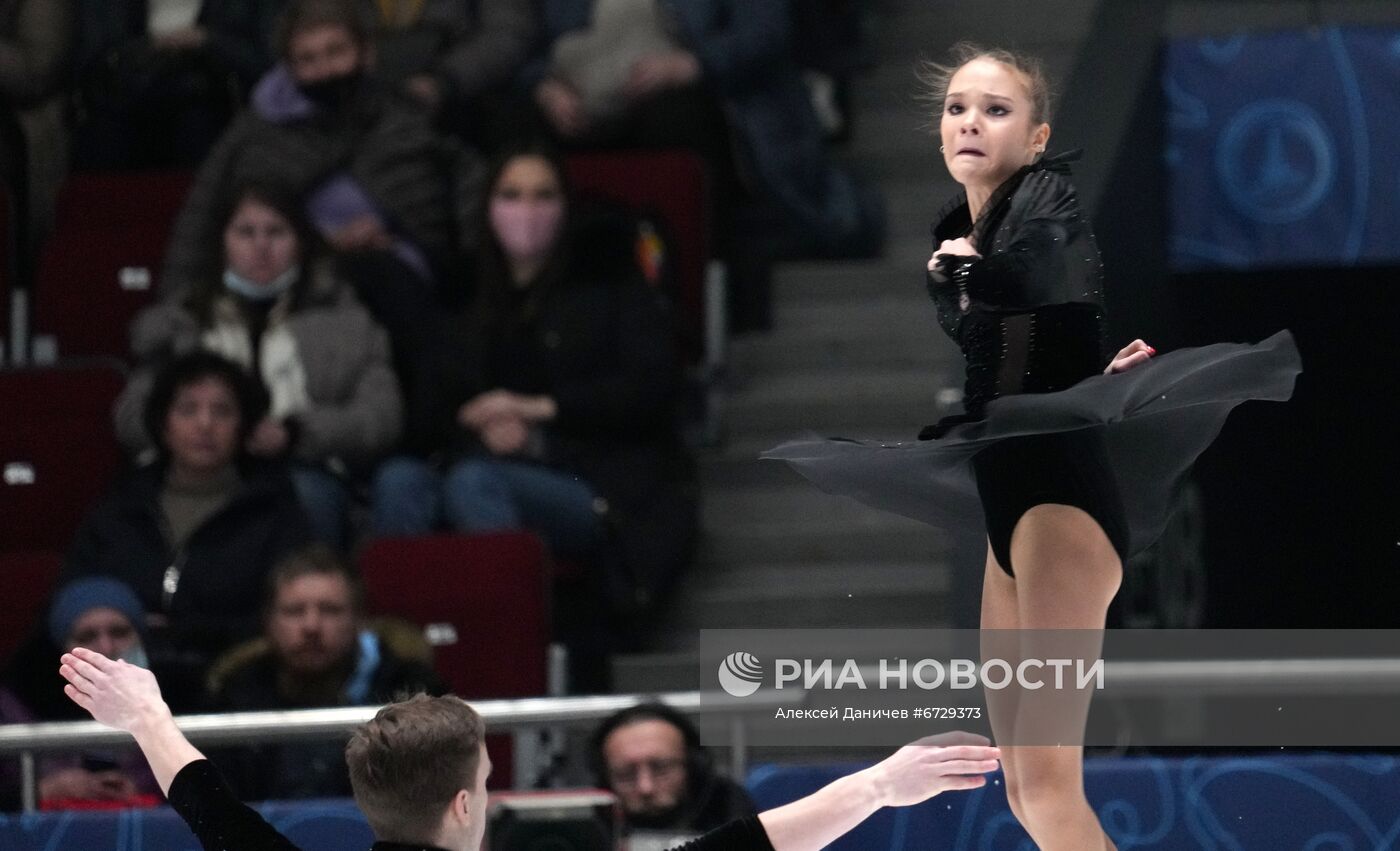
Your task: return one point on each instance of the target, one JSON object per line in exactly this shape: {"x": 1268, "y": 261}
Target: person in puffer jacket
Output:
{"x": 268, "y": 301}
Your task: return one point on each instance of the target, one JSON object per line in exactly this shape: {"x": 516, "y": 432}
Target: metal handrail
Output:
{"x": 292, "y": 725}
{"x": 1231, "y": 675}
{"x": 511, "y": 716}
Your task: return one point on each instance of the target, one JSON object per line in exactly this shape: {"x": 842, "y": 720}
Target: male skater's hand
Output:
{"x": 1136, "y": 352}
{"x": 116, "y": 693}
{"x": 942, "y": 763}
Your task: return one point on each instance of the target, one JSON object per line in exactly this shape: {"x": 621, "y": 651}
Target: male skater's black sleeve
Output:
{"x": 217, "y": 818}
{"x": 745, "y": 834}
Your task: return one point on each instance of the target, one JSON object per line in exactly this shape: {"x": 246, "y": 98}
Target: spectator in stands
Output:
{"x": 550, "y": 406}
{"x": 36, "y": 38}
{"x": 269, "y": 301}
{"x": 829, "y": 41}
{"x": 316, "y": 651}
{"x": 102, "y": 615}
{"x": 158, "y": 80}
{"x": 393, "y": 199}
{"x": 454, "y": 57}
{"x": 639, "y": 72}
{"x": 650, "y": 756}
{"x": 195, "y": 532}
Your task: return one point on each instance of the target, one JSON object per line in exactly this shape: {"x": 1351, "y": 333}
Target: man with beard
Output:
{"x": 650, "y": 756}
{"x": 316, "y": 652}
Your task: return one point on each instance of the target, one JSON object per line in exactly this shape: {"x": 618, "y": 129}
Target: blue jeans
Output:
{"x": 326, "y": 501}
{"x": 486, "y": 495}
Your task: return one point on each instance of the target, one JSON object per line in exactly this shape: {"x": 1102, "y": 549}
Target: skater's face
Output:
{"x": 986, "y": 127}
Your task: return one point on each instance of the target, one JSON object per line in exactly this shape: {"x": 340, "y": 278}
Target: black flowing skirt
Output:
{"x": 1153, "y": 421}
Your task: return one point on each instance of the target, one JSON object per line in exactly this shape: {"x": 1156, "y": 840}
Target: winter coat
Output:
{"x": 605, "y": 347}
{"x": 222, "y": 567}
{"x": 746, "y": 57}
{"x": 245, "y": 680}
{"x": 426, "y": 188}
{"x": 342, "y": 392}
{"x": 238, "y": 33}
{"x": 468, "y": 47}
{"x": 36, "y": 40}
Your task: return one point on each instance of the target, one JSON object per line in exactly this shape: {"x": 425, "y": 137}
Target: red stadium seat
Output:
{"x": 7, "y": 267}
{"x": 674, "y": 185}
{"x": 57, "y": 451}
{"x": 28, "y": 579}
{"x": 483, "y": 600}
{"x": 101, "y": 265}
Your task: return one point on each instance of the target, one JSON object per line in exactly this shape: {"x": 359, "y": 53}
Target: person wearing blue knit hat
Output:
{"x": 101, "y": 614}
{"x": 104, "y": 615}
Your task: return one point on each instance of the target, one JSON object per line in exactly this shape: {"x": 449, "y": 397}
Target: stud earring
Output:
{"x": 941, "y": 149}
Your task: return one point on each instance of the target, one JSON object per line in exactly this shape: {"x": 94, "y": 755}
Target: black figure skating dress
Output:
{"x": 1043, "y": 424}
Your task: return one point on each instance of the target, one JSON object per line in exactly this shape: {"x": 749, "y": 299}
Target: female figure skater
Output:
{"x": 1073, "y": 464}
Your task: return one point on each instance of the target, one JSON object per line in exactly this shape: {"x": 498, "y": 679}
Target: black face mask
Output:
{"x": 334, "y": 92}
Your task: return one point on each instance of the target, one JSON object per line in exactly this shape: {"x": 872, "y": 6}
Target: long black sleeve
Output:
{"x": 746, "y": 834}
{"x": 220, "y": 821}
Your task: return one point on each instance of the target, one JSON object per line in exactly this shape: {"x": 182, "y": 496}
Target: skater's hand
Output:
{"x": 125, "y": 697}
{"x": 935, "y": 764}
{"x": 116, "y": 693}
{"x": 1136, "y": 352}
{"x": 961, "y": 247}
{"x": 913, "y": 774}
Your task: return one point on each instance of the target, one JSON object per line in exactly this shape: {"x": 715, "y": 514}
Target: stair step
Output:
{"x": 880, "y": 537}
{"x": 1036, "y": 28}
{"x": 803, "y": 580}
{"x": 793, "y": 503}
{"x": 909, "y": 310}
{"x": 843, "y": 281}
{"x": 877, "y": 409}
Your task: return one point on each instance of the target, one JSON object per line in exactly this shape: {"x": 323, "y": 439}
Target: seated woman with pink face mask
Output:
{"x": 549, "y": 406}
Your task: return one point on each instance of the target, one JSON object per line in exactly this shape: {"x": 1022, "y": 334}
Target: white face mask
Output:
{"x": 136, "y": 655}
{"x": 254, "y": 291}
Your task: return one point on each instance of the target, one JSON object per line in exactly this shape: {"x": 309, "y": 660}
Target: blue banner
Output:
{"x": 1283, "y": 149}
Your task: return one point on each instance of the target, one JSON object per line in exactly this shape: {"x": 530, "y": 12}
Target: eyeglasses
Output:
{"x": 627, "y": 775}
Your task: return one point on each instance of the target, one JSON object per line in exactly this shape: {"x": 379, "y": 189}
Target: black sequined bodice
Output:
{"x": 1028, "y": 315}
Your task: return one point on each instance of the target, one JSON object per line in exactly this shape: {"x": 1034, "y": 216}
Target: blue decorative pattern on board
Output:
{"x": 1280, "y": 149}
{"x": 1319, "y": 802}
